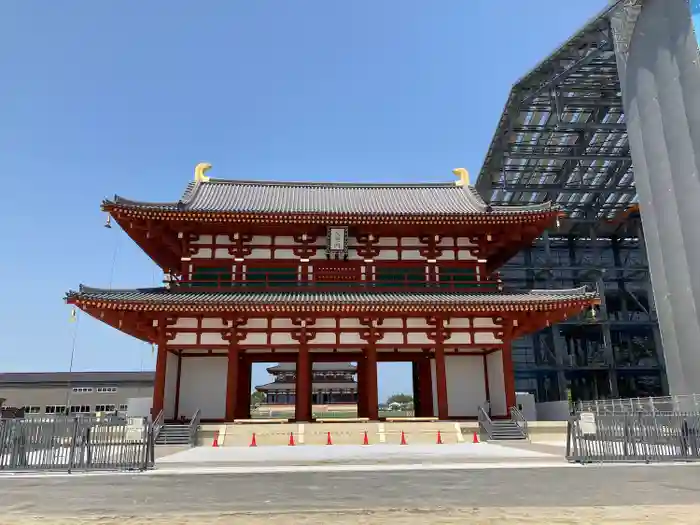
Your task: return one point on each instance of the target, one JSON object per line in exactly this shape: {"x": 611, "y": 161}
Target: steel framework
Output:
{"x": 562, "y": 137}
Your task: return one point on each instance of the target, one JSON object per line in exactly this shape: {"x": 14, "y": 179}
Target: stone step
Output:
{"x": 173, "y": 435}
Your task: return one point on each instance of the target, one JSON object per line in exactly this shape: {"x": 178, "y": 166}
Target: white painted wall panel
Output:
{"x": 262, "y": 323}
{"x": 203, "y": 386}
{"x": 203, "y": 239}
{"x": 485, "y": 338}
{"x": 355, "y": 339}
{"x": 214, "y": 322}
{"x": 484, "y": 322}
{"x": 324, "y": 338}
{"x": 260, "y": 253}
{"x": 412, "y": 255}
{"x": 392, "y": 338}
{"x": 184, "y": 339}
{"x": 285, "y": 253}
{"x": 259, "y": 240}
{"x": 462, "y": 338}
{"x": 459, "y": 322}
{"x": 279, "y": 339}
{"x": 186, "y": 322}
{"x": 170, "y": 386}
{"x": 210, "y": 338}
{"x": 466, "y": 388}
{"x": 222, "y": 253}
{"x": 387, "y": 255}
{"x": 497, "y": 386}
{"x": 419, "y": 338}
{"x": 464, "y": 255}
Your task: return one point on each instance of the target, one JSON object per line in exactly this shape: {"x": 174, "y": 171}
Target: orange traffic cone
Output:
{"x": 291, "y": 439}
{"x": 476, "y": 438}
{"x": 253, "y": 442}
{"x": 403, "y": 438}
{"x": 329, "y": 441}
{"x": 215, "y": 443}
{"x": 439, "y": 438}
{"x": 365, "y": 441}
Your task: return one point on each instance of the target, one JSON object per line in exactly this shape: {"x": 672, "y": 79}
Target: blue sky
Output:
{"x": 125, "y": 97}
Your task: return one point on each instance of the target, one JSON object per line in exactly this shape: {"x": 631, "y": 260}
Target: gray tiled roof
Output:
{"x": 164, "y": 296}
{"x": 317, "y": 367}
{"x": 314, "y": 386}
{"x": 65, "y": 378}
{"x": 331, "y": 198}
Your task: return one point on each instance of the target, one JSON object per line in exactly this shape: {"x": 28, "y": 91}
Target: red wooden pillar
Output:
{"x": 302, "y": 409}
{"x": 508, "y": 373}
{"x": 441, "y": 381}
{"x": 161, "y": 369}
{"x": 232, "y": 380}
{"x": 371, "y": 386}
{"x": 425, "y": 376}
{"x": 176, "y": 412}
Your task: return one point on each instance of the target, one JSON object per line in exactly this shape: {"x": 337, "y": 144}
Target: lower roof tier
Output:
{"x": 166, "y": 301}
{"x": 291, "y": 387}
{"x": 316, "y": 367}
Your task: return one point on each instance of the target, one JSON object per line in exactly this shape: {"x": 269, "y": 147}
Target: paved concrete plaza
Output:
{"x": 446, "y": 496}
{"x": 351, "y": 454}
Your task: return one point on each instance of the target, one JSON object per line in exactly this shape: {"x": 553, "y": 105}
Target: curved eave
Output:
{"x": 486, "y": 218}
{"x": 272, "y": 304}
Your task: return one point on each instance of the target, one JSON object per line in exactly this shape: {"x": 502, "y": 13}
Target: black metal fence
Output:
{"x": 659, "y": 437}
{"x": 76, "y": 443}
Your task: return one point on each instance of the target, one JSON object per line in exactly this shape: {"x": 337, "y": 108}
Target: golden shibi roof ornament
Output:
{"x": 463, "y": 176}
{"x": 199, "y": 171}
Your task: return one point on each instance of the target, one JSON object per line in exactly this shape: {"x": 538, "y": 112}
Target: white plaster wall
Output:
{"x": 203, "y": 386}
{"x": 497, "y": 386}
{"x": 485, "y": 338}
{"x": 466, "y": 389}
{"x": 484, "y": 322}
{"x": 170, "y": 386}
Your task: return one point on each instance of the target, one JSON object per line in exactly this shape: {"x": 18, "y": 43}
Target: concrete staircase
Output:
{"x": 506, "y": 430}
{"x": 174, "y": 435}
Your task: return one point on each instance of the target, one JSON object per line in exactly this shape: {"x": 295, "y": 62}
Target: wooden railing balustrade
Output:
{"x": 281, "y": 281}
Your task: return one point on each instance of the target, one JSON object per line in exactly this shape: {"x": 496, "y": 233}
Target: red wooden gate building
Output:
{"x": 330, "y": 272}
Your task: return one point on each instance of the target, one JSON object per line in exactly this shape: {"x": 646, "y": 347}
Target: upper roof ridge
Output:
{"x": 405, "y": 199}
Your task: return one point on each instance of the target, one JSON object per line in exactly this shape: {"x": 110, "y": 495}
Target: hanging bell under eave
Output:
{"x": 108, "y": 223}
{"x": 73, "y": 315}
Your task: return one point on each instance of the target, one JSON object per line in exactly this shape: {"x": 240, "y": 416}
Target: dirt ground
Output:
{"x": 677, "y": 515}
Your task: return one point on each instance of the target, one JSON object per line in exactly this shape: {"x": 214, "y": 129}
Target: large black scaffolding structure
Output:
{"x": 562, "y": 137}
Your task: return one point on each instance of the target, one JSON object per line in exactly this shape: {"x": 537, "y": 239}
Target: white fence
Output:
{"x": 644, "y": 405}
